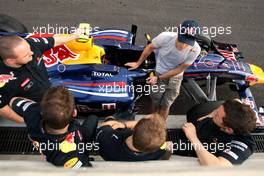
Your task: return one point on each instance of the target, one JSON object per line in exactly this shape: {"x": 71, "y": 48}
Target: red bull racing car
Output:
{"x": 92, "y": 68}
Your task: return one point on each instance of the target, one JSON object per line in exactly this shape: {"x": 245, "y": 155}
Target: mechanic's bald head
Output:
{"x": 15, "y": 51}
{"x": 8, "y": 44}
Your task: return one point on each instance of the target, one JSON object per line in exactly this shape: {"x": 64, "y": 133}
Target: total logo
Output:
{"x": 94, "y": 73}
{"x": 5, "y": 78}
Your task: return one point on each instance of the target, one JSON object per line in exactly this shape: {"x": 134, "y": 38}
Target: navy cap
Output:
{"x": 189, "y": 29}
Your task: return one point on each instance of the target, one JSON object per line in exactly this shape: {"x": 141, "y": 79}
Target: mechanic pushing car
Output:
{"x": 22, "y": 69}
{"x": 53, "y": 129}
{"x": 174, "y": 53}
{"x": 220, "y": 137}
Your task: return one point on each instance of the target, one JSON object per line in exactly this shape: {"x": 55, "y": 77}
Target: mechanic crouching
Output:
{"x": 22, "y": 69}
{"x": 53, "y": 129}
{"x": 218, "y": 133}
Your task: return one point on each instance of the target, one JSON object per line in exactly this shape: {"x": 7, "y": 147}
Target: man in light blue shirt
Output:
{"x": 174, "y": 53}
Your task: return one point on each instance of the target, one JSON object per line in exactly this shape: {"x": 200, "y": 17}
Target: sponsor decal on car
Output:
{"x": 108, "y": 106}
{"x": 103, "y": 74}
{"x": 209, "y": 63}
{"x": 59, "y": 54}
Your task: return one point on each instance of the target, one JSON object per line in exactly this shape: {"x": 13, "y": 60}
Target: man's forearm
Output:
{"x": 172, "y": 73}
{"x": 146, "y": 52}
{"x": 205, "y": 157}
{"x": 8, "y": 113}
{"x": 61, "y": 39}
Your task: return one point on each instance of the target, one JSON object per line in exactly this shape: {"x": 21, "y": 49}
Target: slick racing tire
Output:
{"x": 201, "y": 110}
{"x": 10, "y": 24}
{"x": 205, "y": 40}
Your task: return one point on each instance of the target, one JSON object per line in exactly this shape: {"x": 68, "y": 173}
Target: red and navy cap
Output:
{"x": 189, "y": 29}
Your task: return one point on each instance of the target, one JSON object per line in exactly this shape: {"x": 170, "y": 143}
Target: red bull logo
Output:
{"x": 58, "y": 54}
{"x": 70, "y": 137}
{"x": 5, "y": 78}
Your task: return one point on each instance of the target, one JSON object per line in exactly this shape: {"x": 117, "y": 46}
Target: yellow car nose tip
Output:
{"x": 257, "y": 72}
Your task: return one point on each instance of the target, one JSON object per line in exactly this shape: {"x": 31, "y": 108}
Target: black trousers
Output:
{"x": 88, "y": 128}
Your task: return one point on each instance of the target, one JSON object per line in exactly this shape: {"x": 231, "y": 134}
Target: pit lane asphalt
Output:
{"x": 153, "y": 16}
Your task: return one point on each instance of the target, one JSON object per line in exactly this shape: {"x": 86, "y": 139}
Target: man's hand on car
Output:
{"x": 132, "y": 65}
{"x": 152, "y": 80}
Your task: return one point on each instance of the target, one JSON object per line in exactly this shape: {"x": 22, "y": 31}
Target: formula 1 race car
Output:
{"x": 92, "y": 68}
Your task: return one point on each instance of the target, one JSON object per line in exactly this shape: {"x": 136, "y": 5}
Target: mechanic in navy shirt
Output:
{"x": 22, "y": 69}
{"x": 223, "y": 136}
{"x": 54, "y": 131}
{"x": 134, "y": 140}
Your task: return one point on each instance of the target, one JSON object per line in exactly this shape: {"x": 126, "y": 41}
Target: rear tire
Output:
{"x": 10, "y": 24}
{"x": 205, "y": 41}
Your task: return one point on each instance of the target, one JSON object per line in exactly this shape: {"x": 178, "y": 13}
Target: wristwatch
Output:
{"x": 158, "y": 78}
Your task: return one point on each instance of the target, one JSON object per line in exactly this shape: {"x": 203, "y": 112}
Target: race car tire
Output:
{"x": 205, "y": 40}
{"x": 201, "y": 110}
{"x": 10, "y": 24}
